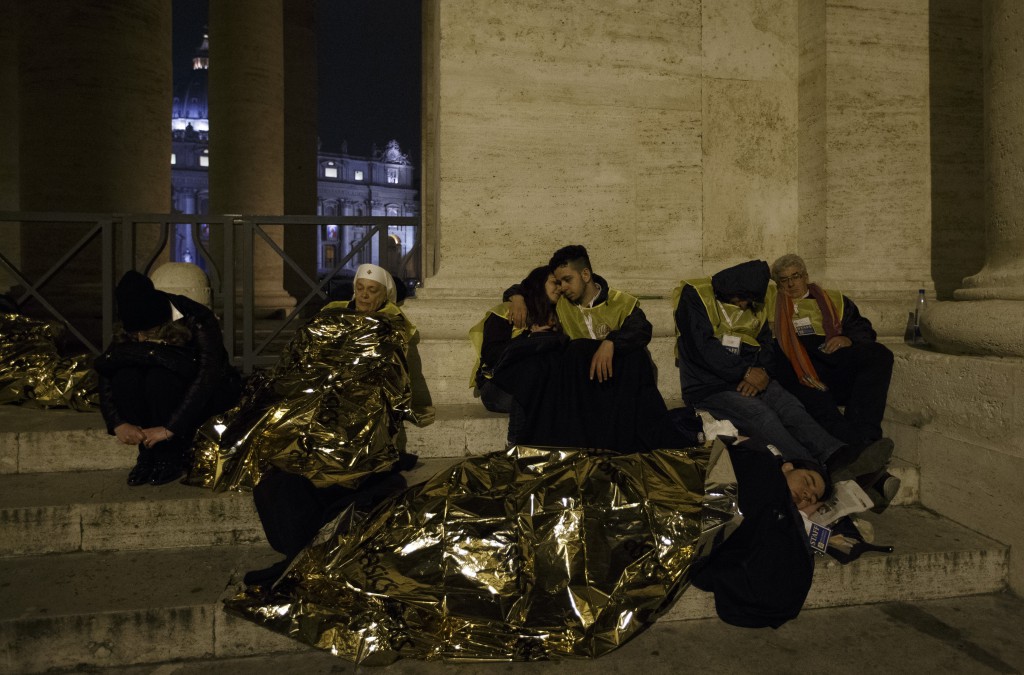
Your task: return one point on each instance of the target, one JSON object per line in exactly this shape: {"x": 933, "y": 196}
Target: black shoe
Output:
{"x": 165, "y": 472}
{"x": 140, "y": 473}
{"x": 887, "y": 486}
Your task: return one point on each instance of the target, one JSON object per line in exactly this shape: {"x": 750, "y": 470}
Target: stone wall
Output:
{"x": 676, "y": 138}
{"x": 570, "y": 122}
{"x": 961, "y": 419}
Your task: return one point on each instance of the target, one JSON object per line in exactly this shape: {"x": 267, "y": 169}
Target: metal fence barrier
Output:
{"x": 229, "y": 264}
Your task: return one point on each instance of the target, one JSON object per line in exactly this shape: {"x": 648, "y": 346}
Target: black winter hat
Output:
{"x": 139, "y": 304}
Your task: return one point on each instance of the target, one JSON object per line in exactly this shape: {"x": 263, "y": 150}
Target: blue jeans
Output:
{"x": 777, "y": 417}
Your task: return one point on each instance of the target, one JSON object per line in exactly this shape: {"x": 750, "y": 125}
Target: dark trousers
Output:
{"x": 292, "y": 509}
{"x": 147, "y": 396}
{"x": 857, "y": 377}
{"x": 498, "y": 400}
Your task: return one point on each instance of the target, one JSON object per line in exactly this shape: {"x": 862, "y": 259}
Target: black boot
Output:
{"x": 143, "y": 469}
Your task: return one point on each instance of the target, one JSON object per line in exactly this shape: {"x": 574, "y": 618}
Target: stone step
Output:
{"x": 977, "y": 634}
{"x": 96, "y": 511}
{"x": 47, "y": 513}
{"x": 92, "y": 609}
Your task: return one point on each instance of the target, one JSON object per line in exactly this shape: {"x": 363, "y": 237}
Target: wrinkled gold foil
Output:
{"x": 331, "y": 409}
{"x": 32, "y": 371}
{"x": 525, "y": 554}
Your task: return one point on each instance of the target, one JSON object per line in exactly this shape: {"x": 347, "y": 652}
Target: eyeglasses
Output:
{"x": 792, "y": 277}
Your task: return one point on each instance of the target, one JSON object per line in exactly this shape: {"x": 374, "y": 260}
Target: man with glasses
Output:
{"x": 828, "y": 357}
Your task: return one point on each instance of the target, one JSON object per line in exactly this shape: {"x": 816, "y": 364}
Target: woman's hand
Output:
{"x": 129, "y": 434}
{"x": 517, "y": 311}
{"x": 154, "y": 435}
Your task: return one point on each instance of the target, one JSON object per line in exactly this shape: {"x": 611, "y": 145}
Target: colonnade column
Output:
{"x": 94, "y": 97}
{"x": 247, "y": 128}
{"x": 988, "y": 317}
{"x": 10, "y": 233}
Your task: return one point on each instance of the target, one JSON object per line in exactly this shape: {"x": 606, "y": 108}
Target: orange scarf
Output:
{"x": 789, "y": 341}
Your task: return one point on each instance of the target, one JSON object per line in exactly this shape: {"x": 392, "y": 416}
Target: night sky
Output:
{"x": 368, "y": 54}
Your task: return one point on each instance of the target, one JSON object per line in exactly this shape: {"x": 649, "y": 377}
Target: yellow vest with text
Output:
{"x": 604, "y": 317}
{"x": 745, "y": 324}
{"x": 807, "y": 308}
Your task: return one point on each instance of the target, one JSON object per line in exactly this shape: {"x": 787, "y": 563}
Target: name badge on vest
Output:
{"x": 732, "y": 343}
{"x": 803, "y": 326}
{"x": 818, "y": 537}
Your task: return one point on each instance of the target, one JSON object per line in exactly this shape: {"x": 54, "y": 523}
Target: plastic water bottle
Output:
{"x": 918, "y": 312}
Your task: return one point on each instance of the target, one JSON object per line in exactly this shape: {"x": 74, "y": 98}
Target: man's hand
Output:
{"x": 154, "y": 435}
{"x": 754, "y": 382}
{"x": 129, "y": 434}
{"x": 601, "y": 364}
{"x": 537, "y": 328}
{"x": 517, "y": 311}
{"x": 747, "y": 389}
{"x": 836, "y": 343}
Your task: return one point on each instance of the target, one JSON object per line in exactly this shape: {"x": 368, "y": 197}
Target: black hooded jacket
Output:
{"x": 213, "y": 388}
{"x": 706, "y": 367}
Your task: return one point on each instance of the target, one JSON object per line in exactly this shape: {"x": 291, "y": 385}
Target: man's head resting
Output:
{"x": 747, "y": 281}
{"x": 572, "y": 270}
{"x": 807, "y": 483}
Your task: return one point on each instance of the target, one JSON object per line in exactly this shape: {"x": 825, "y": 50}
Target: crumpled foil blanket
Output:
{"x": 330, "y": 409}
{"x": 525, "y": 554}
{"x": 32, "y": 371}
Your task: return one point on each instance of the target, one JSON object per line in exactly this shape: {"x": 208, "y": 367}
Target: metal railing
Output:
{"x": 229, "y": 263}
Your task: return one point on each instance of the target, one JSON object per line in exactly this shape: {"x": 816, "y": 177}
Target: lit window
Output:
{"x": 331, "y": 172}
{"x": 330, "y": 255}
{"x": 358, "y": 175}
{"x": 393, "y": 176}
{"x": 204, "y": 160}
{"x": 174, "y": 159}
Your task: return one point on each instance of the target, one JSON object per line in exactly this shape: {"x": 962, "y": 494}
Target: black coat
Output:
{"x": 214, "y": 382}
{"x": 762, "y": 573}
{"x": 706, "y": 367}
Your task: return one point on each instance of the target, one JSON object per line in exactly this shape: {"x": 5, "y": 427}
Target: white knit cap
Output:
{"x": 381, "y": 276}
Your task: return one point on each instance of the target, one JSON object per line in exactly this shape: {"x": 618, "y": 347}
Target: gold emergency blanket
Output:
{"x": 525, "y": 554}
{"x": 330, "y": 409}
{"x": 33, "y": 373}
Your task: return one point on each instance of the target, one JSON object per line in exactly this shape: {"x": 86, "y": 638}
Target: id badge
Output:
{"x": 803, "y": 326}
{"x": 732, "y": 343}
{"x": 818, "y": 537}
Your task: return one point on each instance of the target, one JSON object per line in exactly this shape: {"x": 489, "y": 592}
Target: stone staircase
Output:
{"x": 94, "y": 573}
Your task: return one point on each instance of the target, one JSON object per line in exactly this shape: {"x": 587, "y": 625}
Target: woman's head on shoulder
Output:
{"x": 540, "y": 291}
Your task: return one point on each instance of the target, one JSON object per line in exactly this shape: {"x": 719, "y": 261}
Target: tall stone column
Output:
{"x": 989, "y": 315}
{"x": 10, "y": 233}
{"x": 94, "y": 99}
{"x": 247, "y": 128}
{"x": 300, "y": 151}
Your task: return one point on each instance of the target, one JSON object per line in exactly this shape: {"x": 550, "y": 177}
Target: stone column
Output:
{"x": 10, "y": 234}
{"x": 989, "y": 319}
{"x": 247, "y": 128}
{"x": 94, "y": 99}
{"x": 300, "y": 151}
